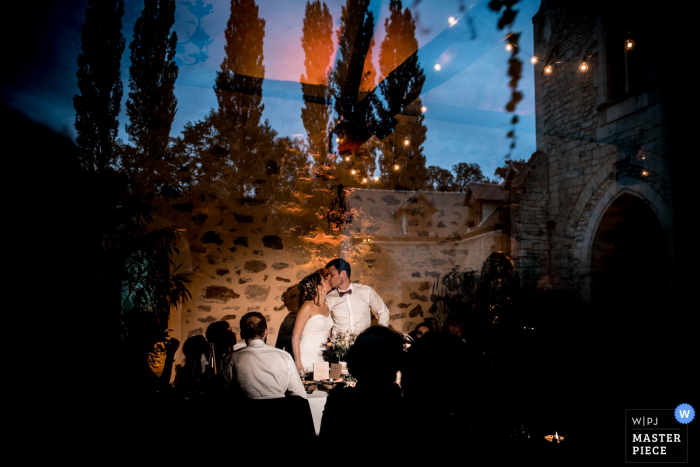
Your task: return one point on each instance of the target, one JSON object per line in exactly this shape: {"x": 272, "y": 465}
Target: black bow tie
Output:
{"x": 346, "y": 292}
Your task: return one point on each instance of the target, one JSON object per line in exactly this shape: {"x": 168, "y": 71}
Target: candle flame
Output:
{"x": 556, "y": 435}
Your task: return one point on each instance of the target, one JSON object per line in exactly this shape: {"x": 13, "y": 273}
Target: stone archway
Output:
{"x": 604, "y": 190}
{"x": 629, "y": 259}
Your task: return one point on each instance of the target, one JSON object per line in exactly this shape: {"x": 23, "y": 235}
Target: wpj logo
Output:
{"x": 657, "y": 435}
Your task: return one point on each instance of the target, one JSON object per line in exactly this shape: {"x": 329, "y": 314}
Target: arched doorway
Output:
{"x": 629, "y": 262}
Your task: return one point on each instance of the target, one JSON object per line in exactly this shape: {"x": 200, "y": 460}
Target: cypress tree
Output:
{"x": 402, "y": 83}
{"x": 99, "y": 80}
{"x": 352, "y": 78}
{"x": 238, "y": 89}
{"x": 317, "y": 43}
{"x": 152, "y": 103}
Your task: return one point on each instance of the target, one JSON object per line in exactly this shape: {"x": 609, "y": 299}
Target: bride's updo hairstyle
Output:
{"x": 308, "y": 287}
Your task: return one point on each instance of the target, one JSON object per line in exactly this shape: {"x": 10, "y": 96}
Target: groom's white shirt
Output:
{"x": 351, "y": 312}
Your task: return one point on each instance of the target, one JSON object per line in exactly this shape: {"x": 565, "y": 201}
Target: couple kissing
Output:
{"x": 328, "y": 300}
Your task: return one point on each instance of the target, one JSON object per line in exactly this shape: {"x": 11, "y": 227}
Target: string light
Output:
{"x": 376, "y": 179}
{"x": 583, "y": 67}
{"x": 337, "y": 140}
{"x": 424, "y": 109}
{"x": 548, "y": 70}
{"x": 396, "y": 166}
{"x": 533, "y": 60}
{"x": 629, "y": 44}
{"x": 364, "y": 180}
{"x": 353, "y": 171}
{"x": 347, "y": 158}
{"x": 437, "y": 67}
{"x": 452, "y": 20}
{"x": 644, "y": 173}
{"x": 406, "y": 142}
{"x": 509, "y": 46}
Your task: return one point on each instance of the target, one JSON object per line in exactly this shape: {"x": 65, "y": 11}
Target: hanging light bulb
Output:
{"x": 364, "y": 180}
{"x": 629, "y": 44}
{"x": 548, "y": 70}
{"x": 353, "y": 171}
{"x": 533, "y": 60}
{"x": 406, "y": 142}
{"x": 396, "y": 166}
{"x": 424, "y": 109}
{"x": 644, "y": 173}
{"x": 509, "y": 46}
{"x": 376, "y": 179}
{"x": 437, "y": 67}
{"x": 337, "y": 140}
{"x": 583, "y": 67}
{"x": 452, "y": 20}
{"x": 347, "y": 158}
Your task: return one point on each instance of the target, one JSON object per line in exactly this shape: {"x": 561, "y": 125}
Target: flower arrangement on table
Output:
{"x": 341, "y": 343}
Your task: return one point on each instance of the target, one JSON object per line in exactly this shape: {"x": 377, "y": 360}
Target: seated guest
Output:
{"x": 136, "y": 374}
{"x": 374, "y": 405}
{"x": 189, "y": 376}
{"x": 421, "y": 330}
{"x": 260, "y": 371}
{"x": 220, "y": 334}
{"x": 454, "y": 325}
{"x": 438, "y": 364}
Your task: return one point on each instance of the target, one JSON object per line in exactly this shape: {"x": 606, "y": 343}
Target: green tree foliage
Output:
{"x": 317, "y": 42}
{"x": 351, "y": 81}
{"x": 466, "y": 173}
{"x": 401, "y": 85}
{"x": 138, "y": 257}
{"x": 242, "y": 139}
{"x": 152, "y": 105}
{"x": 440, "y": 179}
{"x": 502, "y": 171}
{"x": 99, "y": 80}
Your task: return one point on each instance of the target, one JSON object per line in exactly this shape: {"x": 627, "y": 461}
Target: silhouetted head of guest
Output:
{"x": 220, "y": 333}
{"x": 431, "y": 361}
{"x": 253, "y": 326}
{"x": 376, "y": 356}
{"x": 454, "y": 325}
{"x": 422, "y": 329}
{"x": 193, "y": 348}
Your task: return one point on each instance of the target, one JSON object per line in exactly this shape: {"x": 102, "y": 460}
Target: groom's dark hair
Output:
{"x": 340, "y": 265}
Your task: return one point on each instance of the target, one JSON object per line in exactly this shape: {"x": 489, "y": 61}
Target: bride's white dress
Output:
{"x": 313, "y": 340}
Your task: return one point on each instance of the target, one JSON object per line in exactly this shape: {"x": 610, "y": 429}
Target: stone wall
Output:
{"x": 246, "y": 255}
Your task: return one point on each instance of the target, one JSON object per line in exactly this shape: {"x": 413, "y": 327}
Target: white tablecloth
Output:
{"x": 317, "y": 401}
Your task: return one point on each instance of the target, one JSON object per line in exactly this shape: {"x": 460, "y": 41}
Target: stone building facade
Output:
{"x": 595, "y": 200}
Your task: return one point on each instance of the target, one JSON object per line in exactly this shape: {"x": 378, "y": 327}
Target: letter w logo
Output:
{"x": 684, "y": 413}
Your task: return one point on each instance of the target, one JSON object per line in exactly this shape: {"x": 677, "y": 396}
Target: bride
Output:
{"x": 313, "y": 323}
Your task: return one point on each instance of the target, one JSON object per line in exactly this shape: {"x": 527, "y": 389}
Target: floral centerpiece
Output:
{"x": 341, "y": 343}
{"x": 340, "y": 346}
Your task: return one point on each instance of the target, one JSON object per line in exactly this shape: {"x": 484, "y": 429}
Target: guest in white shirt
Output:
{"x": 351, "y": 304}
{"x": 260, "y": 371}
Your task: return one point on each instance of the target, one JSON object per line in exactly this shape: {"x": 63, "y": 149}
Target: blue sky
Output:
{"x": 466, "y": 120}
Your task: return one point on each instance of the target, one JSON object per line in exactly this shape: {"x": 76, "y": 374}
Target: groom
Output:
{"x": 350, "y": 304}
